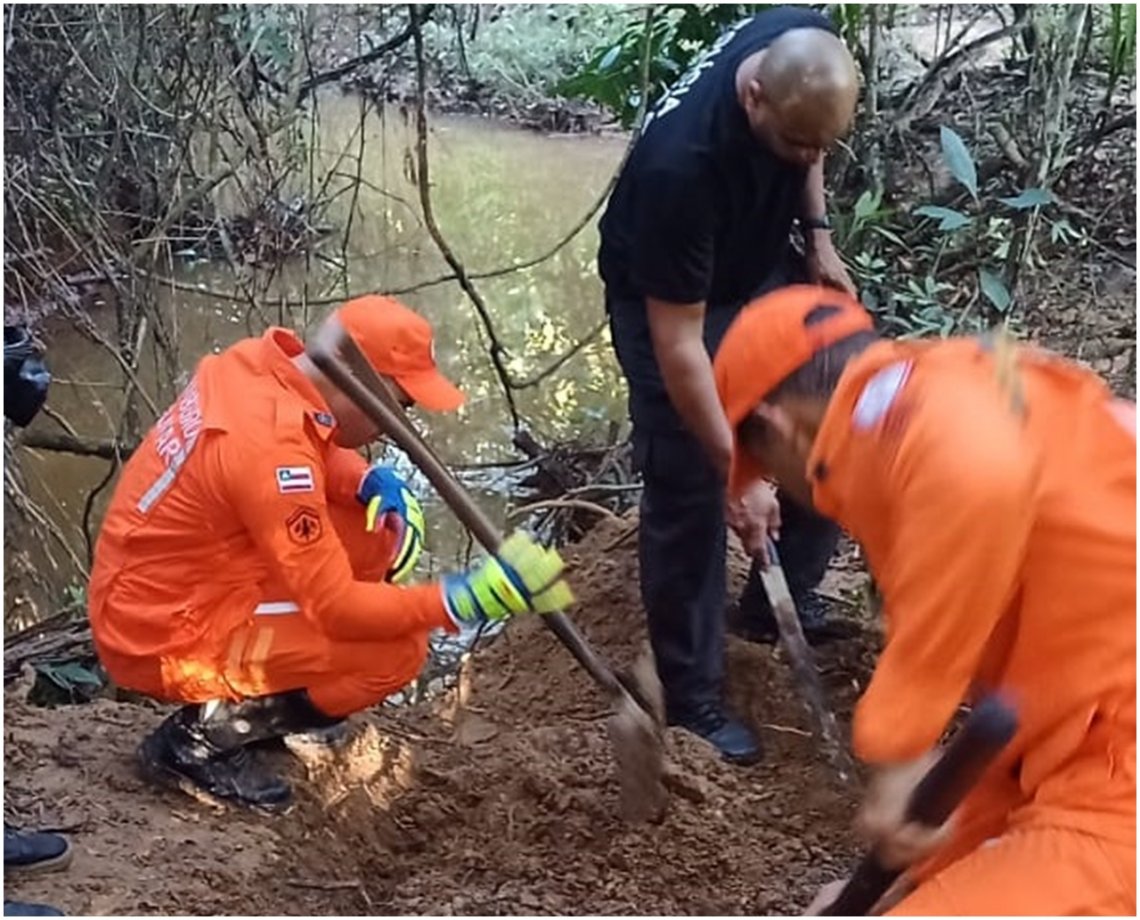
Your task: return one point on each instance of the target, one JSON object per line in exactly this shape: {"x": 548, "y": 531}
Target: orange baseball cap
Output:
{"x": 767, "y": 342}
{"x": 398, "y": 343}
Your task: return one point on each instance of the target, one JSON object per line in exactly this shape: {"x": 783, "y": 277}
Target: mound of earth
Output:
{"x": 498, "y": 797}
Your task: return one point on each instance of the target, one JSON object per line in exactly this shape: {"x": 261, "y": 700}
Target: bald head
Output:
{"x": 803, "y": 88}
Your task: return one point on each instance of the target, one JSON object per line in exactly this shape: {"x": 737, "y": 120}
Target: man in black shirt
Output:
{"x": 698, "y": 225}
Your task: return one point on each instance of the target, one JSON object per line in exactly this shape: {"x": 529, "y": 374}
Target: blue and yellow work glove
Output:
{"x": 522, "y": 577}
{"x": 390, "y": 505}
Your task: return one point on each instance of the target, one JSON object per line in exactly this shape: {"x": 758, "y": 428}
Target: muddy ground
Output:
{"x": 498, "y": 797}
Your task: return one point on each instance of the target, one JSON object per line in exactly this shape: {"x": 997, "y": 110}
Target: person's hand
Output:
{"x": 522, "y": 577}
{"x": 824, "y": 265}
{"x": 390, "y": 505}
{"x": 882, "y": 820}
{"x": 755, "y": 516}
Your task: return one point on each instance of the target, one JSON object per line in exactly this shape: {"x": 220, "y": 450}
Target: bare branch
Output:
{"x": 424, "y": 11}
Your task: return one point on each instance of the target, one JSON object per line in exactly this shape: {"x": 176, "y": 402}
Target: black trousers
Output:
{"x": 681, "y": 552}
{"x": 682, "y": 534}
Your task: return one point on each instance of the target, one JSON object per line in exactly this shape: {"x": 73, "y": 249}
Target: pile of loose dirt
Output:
{"x": 498, "y": 798}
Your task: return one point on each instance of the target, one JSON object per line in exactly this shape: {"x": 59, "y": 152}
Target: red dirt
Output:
{"x": 499, "y": 797}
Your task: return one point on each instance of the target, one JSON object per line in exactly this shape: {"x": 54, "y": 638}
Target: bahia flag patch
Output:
{"x": 294, "y": 479}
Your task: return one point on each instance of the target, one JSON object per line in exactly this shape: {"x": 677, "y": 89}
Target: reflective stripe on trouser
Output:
{"x": 285, "y": 652}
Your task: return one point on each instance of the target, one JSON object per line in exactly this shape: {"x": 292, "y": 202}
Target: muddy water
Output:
{"x": 501, "y": 196}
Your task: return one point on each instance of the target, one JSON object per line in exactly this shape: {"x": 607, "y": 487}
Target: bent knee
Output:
{"x": 364, "y": 674}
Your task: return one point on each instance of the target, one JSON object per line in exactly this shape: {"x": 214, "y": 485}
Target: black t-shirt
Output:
{"x": 702, "y": 210}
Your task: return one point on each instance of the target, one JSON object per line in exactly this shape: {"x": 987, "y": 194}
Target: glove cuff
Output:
{"x": 448, "y": 585}
{"x": 359, "y": 493}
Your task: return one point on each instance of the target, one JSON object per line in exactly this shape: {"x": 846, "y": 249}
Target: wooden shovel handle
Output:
{"x": 989, "y": 728}
{"x": 338, "y": 357}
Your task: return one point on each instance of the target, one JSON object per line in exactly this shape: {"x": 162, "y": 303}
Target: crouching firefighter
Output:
{"x": 992, "y": 488}
{"x": 250, "y": 565}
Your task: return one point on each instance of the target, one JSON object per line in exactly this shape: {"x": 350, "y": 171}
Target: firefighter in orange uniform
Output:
{"x": 247, "y": 566}
{"x": 993, "y": 491}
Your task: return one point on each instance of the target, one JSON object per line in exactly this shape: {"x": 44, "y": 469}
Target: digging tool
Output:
{"x": 988, "y": 729}
{"x": 635, "y": 728}
{"x": 803, "y": 665}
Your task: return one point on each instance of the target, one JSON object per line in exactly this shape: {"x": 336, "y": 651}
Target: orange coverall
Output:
{"x": 233, "y": 560}
{"x": 1004, "y": 544}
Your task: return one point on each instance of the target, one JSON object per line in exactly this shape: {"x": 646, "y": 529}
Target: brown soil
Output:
{"x": 499, "y": 797}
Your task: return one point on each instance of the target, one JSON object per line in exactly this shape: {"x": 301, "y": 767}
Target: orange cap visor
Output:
{"x": 398, "y": 343}
{"x": 767, "y": 342}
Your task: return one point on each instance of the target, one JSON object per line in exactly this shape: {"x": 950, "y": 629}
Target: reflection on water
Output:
{"x": 501, "y": 196}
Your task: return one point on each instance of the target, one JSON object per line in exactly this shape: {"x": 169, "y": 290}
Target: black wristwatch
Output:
{"x": 815, "y": 223}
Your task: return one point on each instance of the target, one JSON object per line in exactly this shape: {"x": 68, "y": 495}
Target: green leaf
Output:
{"x": 948, "y": 217}
{"x": 959, "y": 161}
{"x": 1062, "y": 230}
{"x": 890, "y": 236}
{"x": 610, "y": 58}
{"x": 867, "y": 204}
{"x": 995, "y": 290}
{"x": 1029, "y": 198}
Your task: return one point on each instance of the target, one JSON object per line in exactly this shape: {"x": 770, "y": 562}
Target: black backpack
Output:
{"x": 26, "y": 378}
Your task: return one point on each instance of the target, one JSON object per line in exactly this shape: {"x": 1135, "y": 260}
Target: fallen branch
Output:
{"x": 785, "y": 729}
{"x": 66, "y": 641}
{"x": 579, "y": 503}
{"x": 621, "y": 537}
{"x": 1099, "y": 134}
{"x": 81, "y": 447}
{"x": 922, "y": 98}
{"x": 317, "y": 885}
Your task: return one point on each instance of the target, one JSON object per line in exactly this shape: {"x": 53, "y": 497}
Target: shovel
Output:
{"x": 803, "y": 665}
{"x": 635, "y": 727}
{"x": 988, "y": 729}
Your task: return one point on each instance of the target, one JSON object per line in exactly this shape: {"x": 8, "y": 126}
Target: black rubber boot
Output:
{"x": 202, "y": 749}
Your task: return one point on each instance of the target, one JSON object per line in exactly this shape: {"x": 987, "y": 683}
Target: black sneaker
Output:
{"x": 737, "y": 743}
{"x": 178, "y": 754}
{"x": 818, "y": 627}
{"x": 32, "y": 852}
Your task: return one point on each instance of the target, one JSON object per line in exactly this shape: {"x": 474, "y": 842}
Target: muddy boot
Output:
{"x": 181, "y": 753}
{"x": 203, "y": 748}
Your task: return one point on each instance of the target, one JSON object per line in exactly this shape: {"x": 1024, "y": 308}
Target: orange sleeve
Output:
{"x": 291, "y": 525}
{"x": 959, "y": 510}
{"x": 343, "y": 471}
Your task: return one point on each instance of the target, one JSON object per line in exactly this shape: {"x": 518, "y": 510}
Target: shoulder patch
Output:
{"x": 879, "y": 395}
{"x": 294, "y": 479}
{"x": 304, "y": 526}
